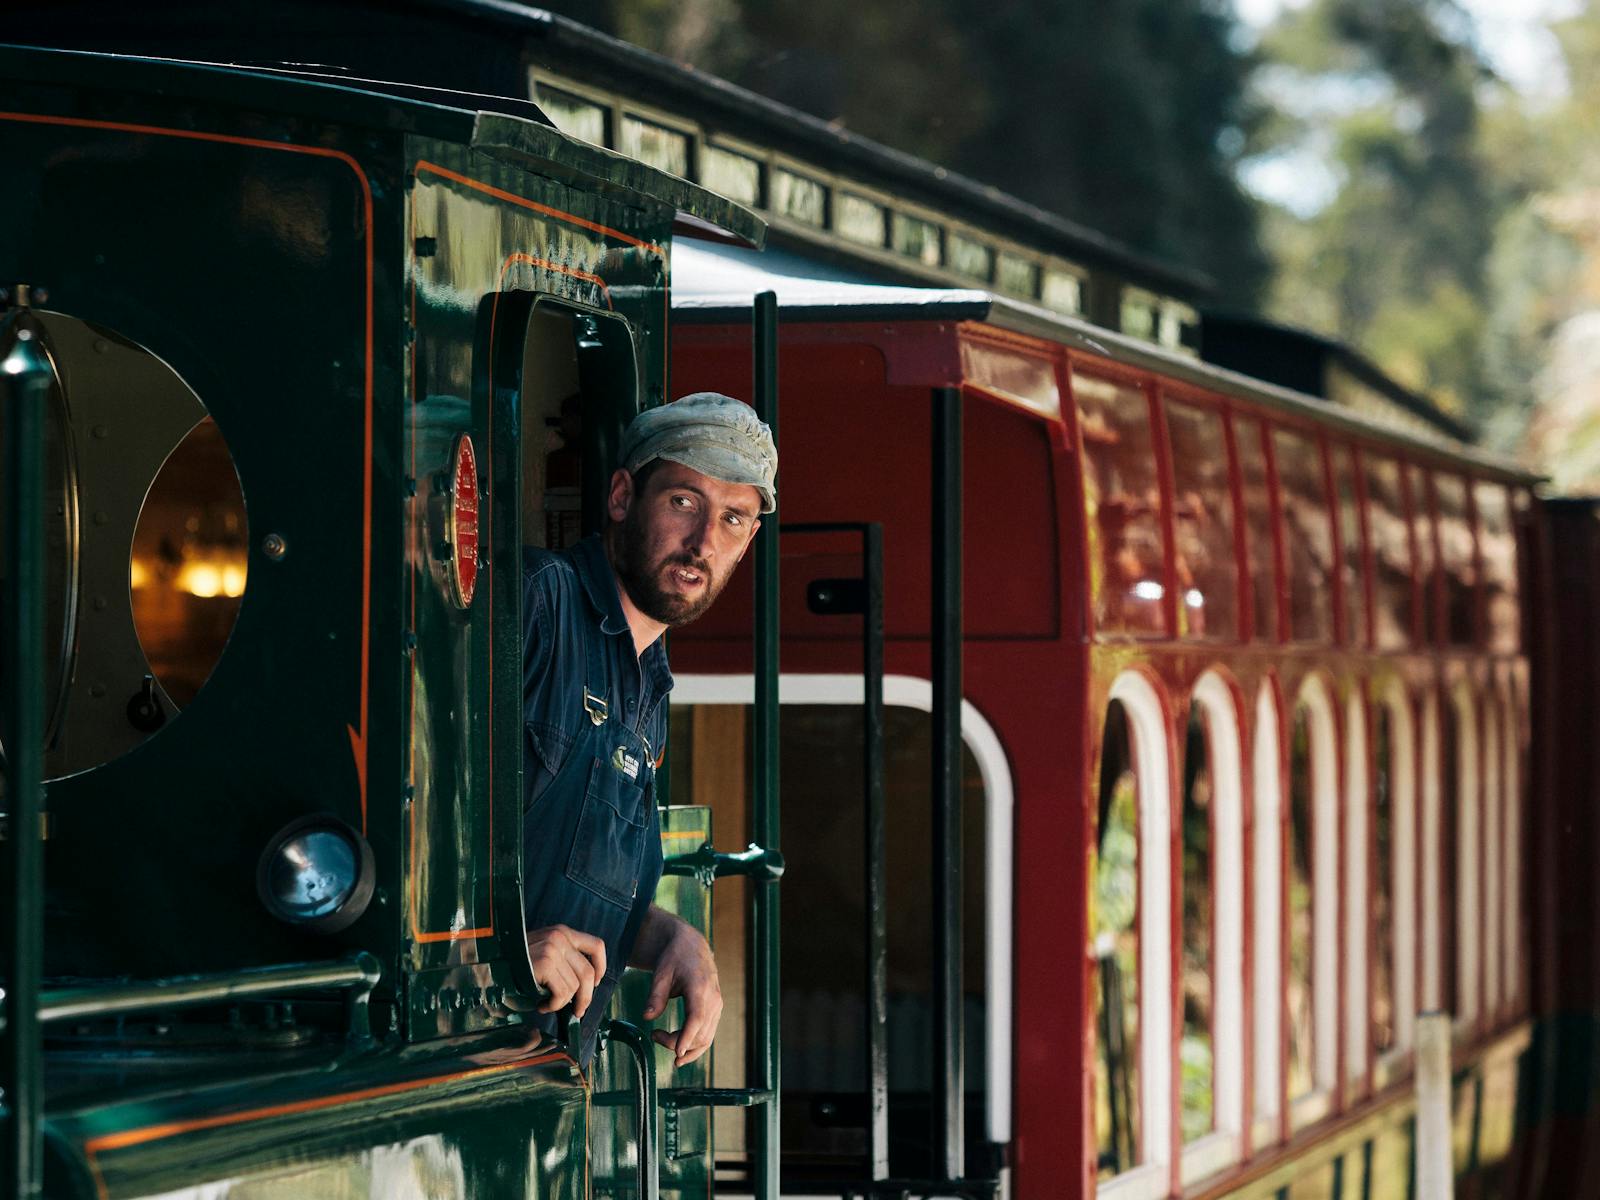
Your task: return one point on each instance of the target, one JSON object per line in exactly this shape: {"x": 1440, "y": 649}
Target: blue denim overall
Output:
{"x": 591, "y": 838}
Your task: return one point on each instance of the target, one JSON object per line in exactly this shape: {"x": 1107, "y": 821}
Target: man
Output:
{"x": 695, "y": 478}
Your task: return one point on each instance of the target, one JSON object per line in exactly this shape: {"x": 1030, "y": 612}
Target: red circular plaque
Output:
{"x": 463, "y": 521}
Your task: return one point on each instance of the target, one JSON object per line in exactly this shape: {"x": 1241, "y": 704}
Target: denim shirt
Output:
{"x": 595, "y": 723}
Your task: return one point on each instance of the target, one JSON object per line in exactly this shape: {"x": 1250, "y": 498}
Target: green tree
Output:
{"x": 1396, "y": 262}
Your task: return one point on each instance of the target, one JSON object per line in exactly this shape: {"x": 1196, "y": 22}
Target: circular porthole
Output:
{"x": 145, "y": 545}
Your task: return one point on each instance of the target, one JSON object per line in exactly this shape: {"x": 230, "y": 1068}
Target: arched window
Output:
{"x": 1311, "y": 977}
{"x": 1467, "y": 847}
{"x": 1267, "y": 861}
{"x": 1491, "y": 855}
{"x": 1394, "y": 884}
{"x": 1132, "y": 933}
{"x": 1432, "y": 875}
{"x": 1356, "y": 891}
{"x": 1116, "y": 950}
{"x": 1512, "y": 909}
{"x": 1211, "y": 1058}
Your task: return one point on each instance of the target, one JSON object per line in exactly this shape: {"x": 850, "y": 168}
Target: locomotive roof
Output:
{"x": 715, "y": 285}
{"x": 510, "y": 130}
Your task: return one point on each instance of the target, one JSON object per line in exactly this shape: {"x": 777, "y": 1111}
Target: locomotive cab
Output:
{"x": 316, "y": 364}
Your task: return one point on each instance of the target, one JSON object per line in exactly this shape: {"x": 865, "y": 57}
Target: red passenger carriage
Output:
{"x": 1247, "y": 746}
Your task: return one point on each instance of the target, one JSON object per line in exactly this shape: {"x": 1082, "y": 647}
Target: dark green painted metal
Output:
{"x": 356, "y": 975}
{"x": 285, "y": 185}
{"x": 766, "y": 991}
{"x": 949, "y": 1135}
{"x": 25, "y": 380}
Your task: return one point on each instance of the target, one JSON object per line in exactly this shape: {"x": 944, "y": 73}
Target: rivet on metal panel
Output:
{"x": 274, "y": 547}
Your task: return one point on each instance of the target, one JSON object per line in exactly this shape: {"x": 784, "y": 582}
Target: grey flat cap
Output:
{"x": 710, "y": 433}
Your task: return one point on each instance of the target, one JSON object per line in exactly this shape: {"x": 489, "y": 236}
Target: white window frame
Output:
{"x": 1149, "y": 727}
{"x": 1207, "y": 1155}
{"x": 1468, "y": 847}
{"x": 910, "y": 691}
{"x": 1267, "y": 868}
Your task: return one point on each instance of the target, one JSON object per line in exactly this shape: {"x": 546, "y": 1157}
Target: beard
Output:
{"x": 645, "y": 581}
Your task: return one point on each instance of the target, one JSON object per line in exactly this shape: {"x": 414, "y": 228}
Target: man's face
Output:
{"x": 679, "y": 537}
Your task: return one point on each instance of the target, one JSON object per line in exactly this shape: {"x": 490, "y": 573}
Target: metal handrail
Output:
{"x": 25, "y": 381}
{"x": 765, "y": 824}
{"x": 644, "y": 1094}
{"x": 707, "y": 864}
{"x": 358, "y": 974}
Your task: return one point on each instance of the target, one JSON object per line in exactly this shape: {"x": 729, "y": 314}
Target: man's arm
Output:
{"x": 681, "y": 960}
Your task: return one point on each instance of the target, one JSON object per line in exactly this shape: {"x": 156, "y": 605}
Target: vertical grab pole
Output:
{"x": 876, "y": 884}
{"x": 764, "y": 820}
{"x": 24, "y": 383}
{"x": 949, "y": 1134}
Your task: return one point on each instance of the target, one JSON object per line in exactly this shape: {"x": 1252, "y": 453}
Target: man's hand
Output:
{"x": 683, "y": 966}
{"x": 569, "y": 963}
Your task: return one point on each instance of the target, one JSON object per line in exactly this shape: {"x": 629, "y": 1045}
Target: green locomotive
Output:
{"x": 292, "y": 372}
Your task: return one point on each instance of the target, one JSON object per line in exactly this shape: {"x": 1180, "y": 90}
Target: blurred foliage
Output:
{"x": 1129, "y": 118}
{"x": 1395, "y": 262}
{"x": 1458, "y": 244}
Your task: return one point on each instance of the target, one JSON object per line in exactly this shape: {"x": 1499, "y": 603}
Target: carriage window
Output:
{"x": 1202, "y": 522}
{"x": 1456, "y": 558}
{"x": 1383, "y": 890}
{"x": 1391, "y": 554}
{"x": 1352, "y": 567}
{"x": 1116, "y": 951}
{"x": 1436, "y": 769}
{"x": 1311, "y": 980}
{"x": 1356, "y": 888}
{"x": 1122, "y": 500}
{"x": 1197, "y": 1044}
{"x": 1197, "y": 1048}
{"x": 1258, "y": 527}
{"x": 1299, "y": 976}
{"x": 1463, "y": 807}
{"x": 1498, "y": 550}
{"x": 1307, "y": 535}
{"x": 1491, "y": 843}
{"x": 1511, "y": 915}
